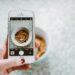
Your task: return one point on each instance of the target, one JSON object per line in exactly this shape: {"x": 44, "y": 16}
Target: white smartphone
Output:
{"x": 21, "y": 35}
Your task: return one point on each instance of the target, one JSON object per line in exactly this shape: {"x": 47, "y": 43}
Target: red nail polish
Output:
{"x": 22, "y": 61}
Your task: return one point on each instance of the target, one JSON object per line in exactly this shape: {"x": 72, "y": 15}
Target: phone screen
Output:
{"x": 20, "y": 36}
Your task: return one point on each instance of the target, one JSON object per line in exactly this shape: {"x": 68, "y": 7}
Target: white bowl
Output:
{"x": 42, "y": 33}
{"x": 16, "y": 42}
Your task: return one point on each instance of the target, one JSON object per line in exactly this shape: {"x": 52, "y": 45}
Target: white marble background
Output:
{"x": 57, "y": 17}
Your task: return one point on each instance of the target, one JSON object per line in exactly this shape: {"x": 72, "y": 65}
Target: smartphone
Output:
{"x": 21, "y": 35}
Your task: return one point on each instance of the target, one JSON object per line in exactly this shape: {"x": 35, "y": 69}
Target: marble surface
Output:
{"x": 57, "y": 18}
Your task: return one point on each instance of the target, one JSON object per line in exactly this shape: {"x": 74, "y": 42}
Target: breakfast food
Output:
{"x": 40, "y": 45}
{"x": 22, "y": 36}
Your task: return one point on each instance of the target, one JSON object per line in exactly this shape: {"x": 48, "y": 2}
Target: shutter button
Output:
{"x": 21, "y": 52}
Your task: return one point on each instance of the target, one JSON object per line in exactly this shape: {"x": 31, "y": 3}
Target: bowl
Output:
{"x": 17, "y": 30}
{"x": 42, "y": 33}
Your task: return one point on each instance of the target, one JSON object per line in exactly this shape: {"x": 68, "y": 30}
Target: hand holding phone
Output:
{"x": 21, "y": 35}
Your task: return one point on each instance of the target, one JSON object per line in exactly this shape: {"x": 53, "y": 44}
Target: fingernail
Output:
{"x": 22, "y": 61}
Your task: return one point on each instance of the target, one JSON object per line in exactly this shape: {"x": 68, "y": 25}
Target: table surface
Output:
{"x": 57, "y": 18}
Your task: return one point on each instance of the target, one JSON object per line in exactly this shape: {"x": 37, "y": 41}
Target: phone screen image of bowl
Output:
{"x": 17, "y": 22}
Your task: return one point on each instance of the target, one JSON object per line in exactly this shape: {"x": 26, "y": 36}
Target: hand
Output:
{"x": 8, "y": 65}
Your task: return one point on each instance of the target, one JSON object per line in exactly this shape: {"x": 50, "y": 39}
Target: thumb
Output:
{"x": 5, "y": 48}
{"x": 8, "y": 63}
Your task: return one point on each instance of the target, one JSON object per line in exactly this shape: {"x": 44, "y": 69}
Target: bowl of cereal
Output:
{"x": 21, "y": 36}
{"x": 42, "y": 46}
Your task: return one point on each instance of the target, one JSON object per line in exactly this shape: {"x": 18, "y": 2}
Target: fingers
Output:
{"x": 26, "y": 67}
{"x": 5, "y": 49}
{"x": 6, "y": 52}
{"x": 8, "y": 63}
{"x": 6, "y": 42}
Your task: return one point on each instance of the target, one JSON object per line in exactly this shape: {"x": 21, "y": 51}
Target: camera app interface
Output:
{"x": 20, "y": 33}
